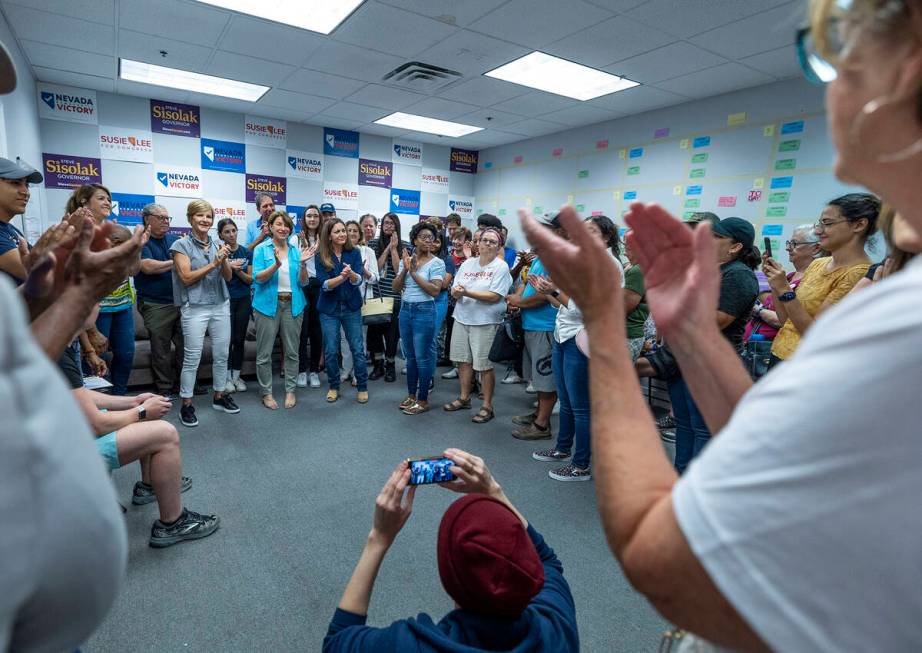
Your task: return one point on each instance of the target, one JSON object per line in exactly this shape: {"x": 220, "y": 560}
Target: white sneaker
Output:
{"x": 315, "y": 380}
{"x": 450, "y": 374}
{"x": 229, "y": 386}
{"x": 530, "y": 389}
{"x": 404, "y": 371}
{"x": 511, "y": 377}
{"x": 302, "y": 380}
{"x": 240, "y": 384}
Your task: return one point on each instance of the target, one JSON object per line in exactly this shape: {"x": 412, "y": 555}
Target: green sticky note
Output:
{"x": 539, "y": 209}
{"x": 633, "y": 170}
{"x": 789, "y": 146}
{"x": 697, "y": 173}
{"x": 776, "y": 212}
{"x": 785, "y": 164}
{"x": 583, "y": 174}
{"x": 693, "y": 203}
{"x": 779, "y": 197}
{"x": 502, "y": 211}
{"x": 700, "y": 158}
{"x": 580, "y": 208}
{"x": 687, "y": 215}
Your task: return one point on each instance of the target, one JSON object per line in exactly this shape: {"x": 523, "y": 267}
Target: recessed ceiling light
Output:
{"x": 146, "y": 73}
{"x": 428, "y": 125}
{"x": 555, "y": 75}
{"x": 315, "y": 15}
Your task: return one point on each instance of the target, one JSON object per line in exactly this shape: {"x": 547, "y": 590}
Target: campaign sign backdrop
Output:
{"x": 434, "y": 181}
{"x": 225, "y": 156}
{"x": 177, "y": 181}
{"x": 66, "y": 103}
{"x": 265, "y": 131}
{"x": 126, "y": 207}
{"x": 463, "y": 161}
{"x": 62, "y": 171}
{"x": 405, "y": 201}
{"x": 339, "y": 142}
{"x": 341, "y": 195}
{"x": 295, "y": 212}
{"x": 233, "y": 209}
{"x": 275, "y": 186}
{"x": 375, "y": 173}
{"x": 408, "y": 152}
{"x": 175, "y": 119}
{"x": 126, "y": 144}
{"x": 463, "y": 205}
{"x": 304, "y": 165}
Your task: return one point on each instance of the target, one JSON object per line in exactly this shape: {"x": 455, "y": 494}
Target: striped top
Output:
{"x": 386, "y": 276}
{"x": 120, "y": 299}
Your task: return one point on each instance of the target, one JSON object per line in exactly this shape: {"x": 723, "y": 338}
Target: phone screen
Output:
{"x": 430, "y": 470}
{"x": 768, "y": 247}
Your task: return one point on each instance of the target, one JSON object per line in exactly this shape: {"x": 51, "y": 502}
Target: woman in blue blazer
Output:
{"x": 340, "y": 272}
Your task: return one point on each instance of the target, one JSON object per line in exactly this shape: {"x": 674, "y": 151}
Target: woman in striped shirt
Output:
{"x": 382, "y": 338}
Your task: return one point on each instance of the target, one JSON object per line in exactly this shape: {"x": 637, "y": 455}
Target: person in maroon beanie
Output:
{"x": 507, "y": 584}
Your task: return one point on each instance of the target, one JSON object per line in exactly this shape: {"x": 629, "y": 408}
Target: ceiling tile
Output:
{"x": 714, "y": 81}
{"x": 271, "y": 41}
{"x": 451, "y": 12}
{"x": 609, "y": 41}
{"x": 149, "y": 91}
{"x": 536, "y": 103}
{"x": 496, "y": 118}
{"x": 337, "y": 122}
{"x": 689, "y": 17}
{"x": 781, "y": 63}
{"x": 223, "y": 103}
{"x": 248, "y": 69}
{"x": 383, "y": 130}
{"x": 317, "y": 83}
{"x": 492, "y": 137}
{"x": 68, "y": 59}
{"x": 436, "y": 107}
{"x": 31, "y": 25}
{"x": 670, "y": 61}
{"x": 471, "y": 53}
{"x": 536, "y": 127}
{"x": 97, "y": 11}
{"x": 616, "y": 5}
{"x": 637, "y": 100}
{"x": 484, "y": 91}
{"x": 306, "y": 104}
{"x": 74, "y": 79}
{"x": 768, "y": 30}
{"x": 283, "y": 114}
{"x": 146, "y": 47}
{"x": 351, "y": 61}
{"x": 381, "y": 27}
{"x": 181, "y": 21}
{"x": 533, "y": 23}
{"x": 385, "y": 97}
{"x": 582, "y": 114}
{"x": 352, "y": 111}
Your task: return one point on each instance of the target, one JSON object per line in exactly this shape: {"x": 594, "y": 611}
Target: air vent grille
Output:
{"x": 421, "y": 77}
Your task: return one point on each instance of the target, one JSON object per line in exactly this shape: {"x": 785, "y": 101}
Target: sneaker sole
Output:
{"x": 519, "y": 436}
{"x": 548, "y": 459}
{"x": 189, "y": 424}
{"x": 222, "y": 409}
{"x": 569, "y": 479}
{"x": 164, "y": 542}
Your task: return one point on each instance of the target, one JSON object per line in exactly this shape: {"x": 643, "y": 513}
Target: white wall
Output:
{"x": 743, "y": 154}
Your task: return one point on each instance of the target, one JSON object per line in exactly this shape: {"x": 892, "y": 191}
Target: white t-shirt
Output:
{"x": 805, "y": 510}
{"x": 370, "y": 262}
{"x": 493, "y": 277}
{"x": 284, "y": 273}
{"x": 570, "y": 318}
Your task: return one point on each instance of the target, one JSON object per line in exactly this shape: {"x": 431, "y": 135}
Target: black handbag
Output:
{"x": 757, "y": 356}
{"x": 664, "y": 363}
{"x": 509, "y": 340}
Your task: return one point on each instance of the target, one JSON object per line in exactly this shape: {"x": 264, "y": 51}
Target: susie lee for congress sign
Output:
{"x": 265, "y": 131}
{"x": 126, "y": 144}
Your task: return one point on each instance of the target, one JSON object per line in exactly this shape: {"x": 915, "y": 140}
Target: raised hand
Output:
{"x": 414, "y": 264}
{"x": 393, "y": 505}
{"x": 466, "y": 249}
{"x": 307, "y": 253}
{"x": 541, "y": 284}
{"x": 406, "y": 260}
{"x": 471, "y": 474}
{"x": 278, "y": 261}
{"x": 222, "y": 253}
{"x": 96, "y": 273}
{"x": 53, "y": 237}
{"x": 776, "y": 275}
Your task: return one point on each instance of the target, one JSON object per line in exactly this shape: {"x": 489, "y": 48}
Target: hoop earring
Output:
{"x": 867, "y": 111}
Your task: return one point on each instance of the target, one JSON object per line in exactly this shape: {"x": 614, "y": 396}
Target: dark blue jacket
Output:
{"x": 345, "y": 292}
{"x": 548, "y": 624}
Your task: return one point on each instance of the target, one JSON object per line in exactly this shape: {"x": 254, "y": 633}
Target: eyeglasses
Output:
{"x": 791, "y": 244}
{"x": 162, "y": 218}
{"x": 814, "y": 67}
{"x": 426, "y": 238}
{"x": 823, "y": 225}
{"x": 495, "y": 243}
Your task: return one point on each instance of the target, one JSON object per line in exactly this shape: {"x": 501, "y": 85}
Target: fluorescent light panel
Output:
{"x": 559, "y": 76}
{"x": 428, "y": 125}
{"x": 315, "y": 15}
{"x": 146, "y": 73}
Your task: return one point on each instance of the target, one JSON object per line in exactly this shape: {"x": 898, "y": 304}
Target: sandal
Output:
{"x": 406, "y": 403}
{"x": 332, "y": 395}
{"x": 457, "y": 404}
{"x": 483, "y": 416}
{"x": 270, "y": 402}
{"x": 415, "y": 409}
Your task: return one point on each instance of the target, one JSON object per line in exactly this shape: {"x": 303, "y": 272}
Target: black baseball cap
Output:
{"x": 19, "y": 170}
{"x": 738, "y": 229}
{"x": 327, "y": 208}
{"x": 703, "y": 216}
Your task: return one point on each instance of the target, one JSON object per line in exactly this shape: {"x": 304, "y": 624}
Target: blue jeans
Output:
{"x": 441, "y": 310}
{"x": 571, "y": 374}
{"x": 118, "y": 327}
{"x": 351, "y": 324}
{"x": 417, "y": 324}
{"x": 691, "y": 433}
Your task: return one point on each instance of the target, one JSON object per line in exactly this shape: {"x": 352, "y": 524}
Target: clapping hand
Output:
{"x": 466, "y": 249}
{"x": 457, "y": 291}
{"x": 307, "y": 253}
{"x": 237, "y": 263}
{"x": 541, "y": 284}
{"x": 222, "y": 253}
{"x": 347, "y": 271}
{"x": 278, "y": 261}
{"x": 393, "y": 505}
{"x": 406, "y": 260}
{"x": 414, "y": 264}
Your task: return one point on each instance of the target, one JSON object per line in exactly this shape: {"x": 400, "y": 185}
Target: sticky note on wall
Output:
{"x": 768, "y": 130}
{"x": 736, "y": 119}
{"x": 684, "y": 143}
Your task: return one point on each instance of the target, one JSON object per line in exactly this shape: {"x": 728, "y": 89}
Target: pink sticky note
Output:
{"x": 557, "y": 151}
{"x": 755, "y": 195}
{"x": 727, "y": 201}
{"x": 518, "y": 159}
{"x": 601, "y": 145}
{"x": 597, "y": 213}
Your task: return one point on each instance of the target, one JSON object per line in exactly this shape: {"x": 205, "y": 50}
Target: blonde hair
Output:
{"x": 199, "y": 206}
{"x": 284, "y": 216}
{"x": 891, "y": 19}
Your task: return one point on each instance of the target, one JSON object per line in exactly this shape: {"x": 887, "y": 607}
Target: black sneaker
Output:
{"x": 570, "y": 473}
{"x": 226, "y": 404}
{"x": 187, "y": 416}
{"x": 189, "y": 526}
{"x": 665, "y": 422}
{"x": 550, "y": 455}
{"x": 144, "y": 493}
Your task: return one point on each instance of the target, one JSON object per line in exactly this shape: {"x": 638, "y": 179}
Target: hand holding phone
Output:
{"x": 424, "y": 471}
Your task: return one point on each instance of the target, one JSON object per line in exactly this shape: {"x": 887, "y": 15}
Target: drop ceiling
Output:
{"x": 677, "y": 49}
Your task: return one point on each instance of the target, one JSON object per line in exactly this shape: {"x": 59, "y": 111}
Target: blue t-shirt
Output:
{"x": 236, "y": 287}
{"x": 540, "y": 318}
{"x": 9, "y": 239}
{"x": 509, "y": 255}
{"x": 432, "y": 270}
{"x": 156, "y": 288}
{"x": 449, "y": 269}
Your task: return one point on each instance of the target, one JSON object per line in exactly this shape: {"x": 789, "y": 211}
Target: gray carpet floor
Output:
{"x": 295, "y": 491}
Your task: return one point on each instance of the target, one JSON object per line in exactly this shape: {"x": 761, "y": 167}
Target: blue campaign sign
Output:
{"x": 795, "y": 127}
{"x": 126, "y": 207}
{"x": 405, "y": 201}
{"x": 772, "y": 229}
{"x": 702, "y": 141}
{"x": 693, "y": 190}
{"x": 630, "y": 195}
{"x": 636, "y": 153}
{"x": 295, "y": 212}
{"x": 782, "y": 182}
{"x": 225, "y": 156}
{"x": 339, "y": 142}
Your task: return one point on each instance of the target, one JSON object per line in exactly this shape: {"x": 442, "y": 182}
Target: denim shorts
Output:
{"x": 105, "y": 445}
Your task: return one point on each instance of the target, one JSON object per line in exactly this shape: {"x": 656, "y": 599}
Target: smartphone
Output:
{"x": 430, "y": 470}
{"x": 768, "y": 246}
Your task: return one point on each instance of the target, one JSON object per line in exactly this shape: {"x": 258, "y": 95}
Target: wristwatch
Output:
{"x": 555, "y": 294}
{"x": 786, "y": 297}
{"x": 142, "y": 413}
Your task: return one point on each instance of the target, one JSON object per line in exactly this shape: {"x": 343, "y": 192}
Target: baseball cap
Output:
{"x": 738, "y": 229}
{"x": 703, "y": 216}
{"x": 19, "y": 170}
{"x": 327, "y": 208}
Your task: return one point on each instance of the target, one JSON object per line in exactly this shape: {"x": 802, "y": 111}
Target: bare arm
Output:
{"x": 770, "y": 318}
{"x": 153, "y": 266}
{"x": 483, "y": 296}
{"x": 631, "y": 301}
{"x": 102, "y": 422}
{"x": 11, "y": 263}
{"x": 188, "y": 276}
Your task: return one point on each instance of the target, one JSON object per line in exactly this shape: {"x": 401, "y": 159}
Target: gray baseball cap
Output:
{"x": 19, "y": 170}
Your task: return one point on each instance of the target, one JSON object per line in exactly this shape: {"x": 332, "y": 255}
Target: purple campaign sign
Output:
{"x": 174, "y": 118}
{"x": 463, "y": 161}
{"x": 62, "y": 171}
{"x": 275, "y": 186}
{"x": 375, "y": 173}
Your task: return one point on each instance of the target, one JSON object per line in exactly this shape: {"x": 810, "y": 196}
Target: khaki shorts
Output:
{"x": 471, "y": 344}
{"x": 536, "y": 361}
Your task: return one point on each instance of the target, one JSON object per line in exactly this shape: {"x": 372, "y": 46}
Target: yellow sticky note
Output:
{"x": 768, "y": 130}
{"x": 569, "y": 199}
{"x": 684, "y": 143}
{"x": 616, "y": 195}
{"x": 758, "y": 183}
{"x": 622, "y": 154}
{"x": 493, "y": 204}
{"x": 676, "y": 190}
{"x": 736, "y": 118}
{"x": 527, "y": 201}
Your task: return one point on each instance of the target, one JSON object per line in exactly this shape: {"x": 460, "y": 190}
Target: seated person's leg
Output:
{"x": 159, "y": 442}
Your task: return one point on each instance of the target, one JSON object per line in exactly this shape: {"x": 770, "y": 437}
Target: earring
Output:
{"x": 867, "y": 112}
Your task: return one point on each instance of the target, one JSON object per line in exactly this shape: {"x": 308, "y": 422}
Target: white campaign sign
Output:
{"x": 233, "y": 209}
{"x": 177, "y": 181}
{"x": 434, "y": 181}
{"x": 124, "y": 144}
{"x": 341, "y": 195}
{"x": 303, "y": 165}
{"x": 67, "y": 103}
{"x": 265, "y": 131}
{"x": 408, "y": 152}
{"x": 463, "y": 205}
